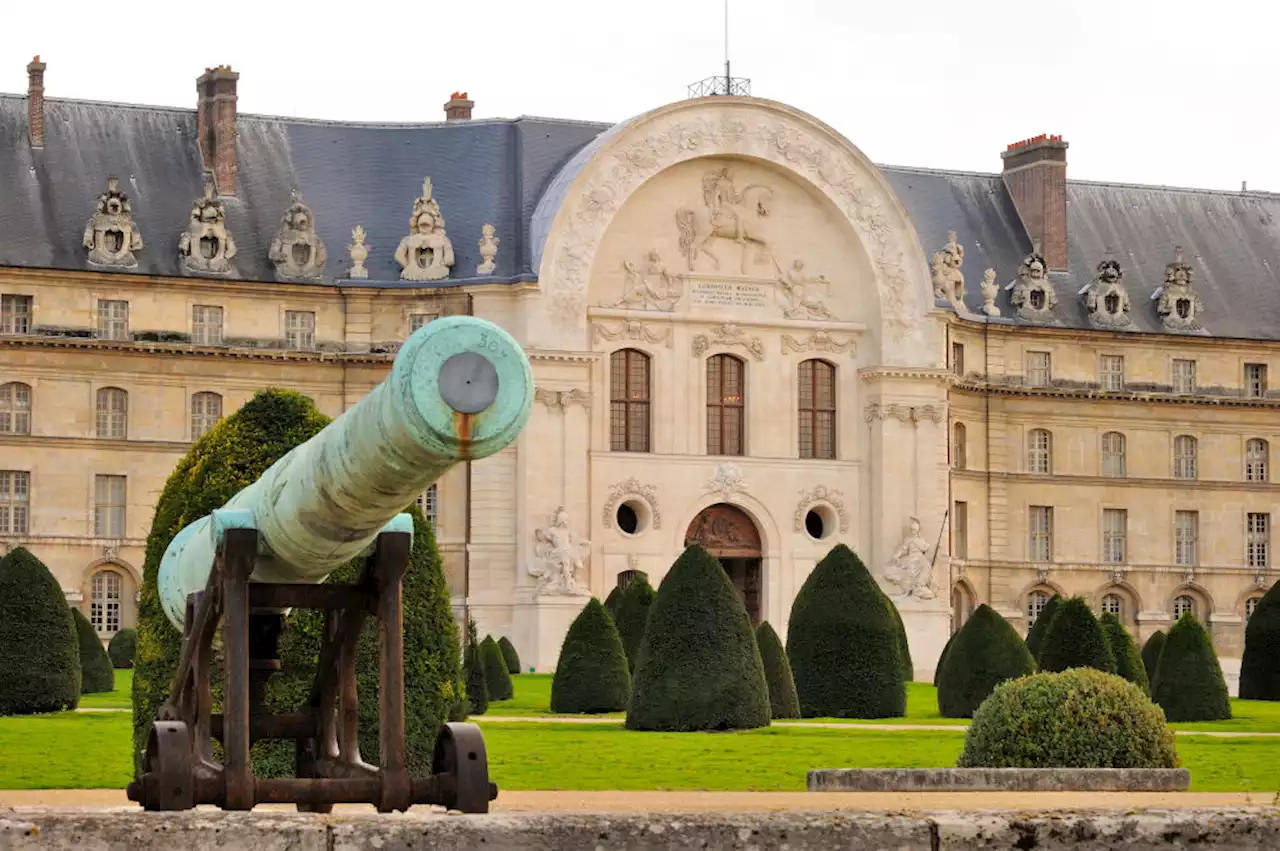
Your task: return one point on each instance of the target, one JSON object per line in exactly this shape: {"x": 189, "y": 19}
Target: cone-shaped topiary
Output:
{"x": 1260, "y": 666}
{"x": 96, "y": 673}
{"x": 496, "y": 675}
{"x": 509, "y": 655}
{"x": 1074, "y": 640}
{"x": 942, "y": 657}
{"x": 783, "y": 702}
{"x": 122, "y": 647}
{"x": 39, "y": 654}
{"x": 1035, "y": 635}
{"x": 904, "y": 646}
{"x": 631, "y": 615}
{"x": 611, "y": 602}
{"x": 986, "y": 651}
{"x": 1151, "y": 656}
{"x": 1125, "y": 650}
{"x": 1189, "y": 683}
{"x": 844, "y": 643}
{"x": 473, "y": 666}
{"x": 699, "y": 667}
{"x": 591, "y": 675}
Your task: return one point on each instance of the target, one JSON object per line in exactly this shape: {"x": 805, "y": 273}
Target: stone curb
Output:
{"x": 1253, "y": 829}
{"x": 999, "y": 780}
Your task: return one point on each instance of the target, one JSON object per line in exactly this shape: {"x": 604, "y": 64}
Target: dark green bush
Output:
{"x": 783, "y": 701}
{"x": 904, "y": 646}
{"x": 631, "y": 614}
{"x": 122, "y": 647}
{"x": 1125, "y": 650}
{"x": 1074, "y": 640}
{"x": 591, "y": 675}
{"x": 1260, "y": 666}
{"x": 1189, "y": 683}
{"x": 39, "y": 653}
{"x": 611, "y": 602}
{"x": 699, "y": 667}
{"x": 1035, "y": 635}
{"x": 844, "y": 643}
{"x": 1080, "y": 718}
{"x": 96, "y": 673}
{"x": 985, "y": 652}
{"x": 509, "y": 655}
{"x": 942, "y": 657}
{"x": 496, "y": 676}
{"x": 477, "y": 683}
{"x": 1151, "y": 656}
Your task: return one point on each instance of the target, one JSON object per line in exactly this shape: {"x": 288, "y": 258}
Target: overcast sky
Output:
{"x": 1174, "y": 92}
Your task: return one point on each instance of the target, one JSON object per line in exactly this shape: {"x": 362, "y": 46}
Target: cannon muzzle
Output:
{"x": 460, "y": 389}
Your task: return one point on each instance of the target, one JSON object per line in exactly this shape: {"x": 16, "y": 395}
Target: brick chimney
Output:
{"x": 35, "y": 102}
{"x": 216, "y": 125}
{"x": 1035, "y": 173}
{"x": 459, "y": 107}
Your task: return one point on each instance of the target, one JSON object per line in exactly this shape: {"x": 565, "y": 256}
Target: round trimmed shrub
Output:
{"x": 1260, "y": 665}
{"x": 631, "y": 614}
{"x": 1151, "y": 656}
{"x": 698, "y": 667}
{"x": 39, "y": 653}
{"x": 611, "y": 602}
{"x": 783, "y": 702}
{"x": 1189, "y": 683}
{"x": 122, "y": 647}
{"x": 1035, "y": 635}
{"x": 496, "y": 676}
{"x": 477, "y": 684}
{"x": 942, "y": 657}
{"x": 591, "y": 675}
{"x": 844, "y": 643}
{"x": 986, "y": 651}
{"x": 1074, "y": 640}
{"x": 509, "y": 655}
{"x": 904, "y": 646}
{"x": 1125, "y": 650}
{"x": 96, "y": 673}
{"x": 1080, "y": 718}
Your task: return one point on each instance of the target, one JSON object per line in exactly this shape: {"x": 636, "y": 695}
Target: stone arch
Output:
{"x": 964, "y": 599}
{"x": 130, "y": 582}
{"x": 731, "y": 535}
{"x": 126, "y": 567}
{"x": 1128, "y": 595}
{"x": 1205, "y": 605}
{"x": 1251, "y": 591}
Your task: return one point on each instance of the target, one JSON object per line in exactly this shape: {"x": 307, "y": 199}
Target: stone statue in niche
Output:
{"x": 806, "y": 294}
{"x": 728, "y": 215}
{"x": 910, "y": 571}
{"x": 297, "y": 250}
{"x": 488, "y": 250}
{"x": 653, "y": 288}
{"x": 948, "y": 280}
{"x": 558, "y": 551}
{"x": 111, "y": 235}
{"x": 426, "y": 254}
{"x": 990, "y": 289}
{"x": 1033, "y": 293}
{"x": 359, "y": 252}
{"x": 206, "y": 247}
{"x": 1106, "y": 298}
{"x": 1179, "y": 305}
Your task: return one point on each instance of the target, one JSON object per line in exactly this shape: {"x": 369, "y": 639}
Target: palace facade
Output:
{"x": 994, "y": 387}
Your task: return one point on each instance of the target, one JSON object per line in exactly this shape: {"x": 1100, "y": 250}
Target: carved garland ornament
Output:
{"x": 631, "y": 487}
{"x": 903, "y": 413}
{"x": 636, "y": 331}
{"x": 819, "y": 341}
{"x": 821, "y": 495}
{"x": 727, "y": 481}
{"x": 727, "y": 335}
{"x": 562, "y": 398}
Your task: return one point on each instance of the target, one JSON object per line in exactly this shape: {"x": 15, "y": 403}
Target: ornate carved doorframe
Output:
{"x": 725, "y": 531}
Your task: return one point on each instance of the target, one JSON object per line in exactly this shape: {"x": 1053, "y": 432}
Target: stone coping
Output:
{"x": 999, "y": 779}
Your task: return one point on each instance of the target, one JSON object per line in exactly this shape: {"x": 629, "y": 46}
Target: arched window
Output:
{"x": 1113, "y": 604}
{"x": 1184, "y": 457}
{"x": 959, "y": 447}
{"x": 113, "y": 413}
{"x": 1113, "y": 451}
{"x": 104, "y": 602}
{"x": 629, "y": 401}
{"x": 1250, "y": 605}
{"x": 817, "y": 409}
{"x": 626, "y": 577}
{"x": 726, "y": 401}
{"x": 206, "y": 409}
{"x": 1039, "y": 451}
{"x": 1036, "y": 601}
{"x": 15, "y": 408}
{"x": 1256, "y": 455}
{"x": 1182, "y": 604}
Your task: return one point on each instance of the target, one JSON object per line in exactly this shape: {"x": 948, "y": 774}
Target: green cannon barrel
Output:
{"x": 460, "y": 388}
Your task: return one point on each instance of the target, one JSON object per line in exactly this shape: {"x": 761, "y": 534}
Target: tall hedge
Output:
{"x": 122, "y": 647}
{"x": 1260, "y": 666}
{"x": 698, "y": 667}
{"x": 1151, "y": 656}
{"x": 942, "y": 657}
{"x": 496, "y": 675}
{"x": 96, "y": 673}
{"x": 473, "y": 668}
{"x": 631, "y": 614}
{"x": 783, "y": 701}
{"x": 904, "y": 646}
{"x": 611, "y": 602}
{"x": 844, "y": 643}
{"x": 1125, "y": 650}
{"x": 1035, "y": 635}
{"x": 509, "y": 655}
{"x": 228, "y": 458}
{"x": 591, "y": 675}
{"x": 986, "y": 651}
{"x": 39, "y": 652}
{"x": 1074, "y": 639}
{"x": 1189, "y": 683}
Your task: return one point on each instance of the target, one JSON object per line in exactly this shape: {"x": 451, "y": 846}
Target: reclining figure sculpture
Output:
{"x": 460, "y": 389}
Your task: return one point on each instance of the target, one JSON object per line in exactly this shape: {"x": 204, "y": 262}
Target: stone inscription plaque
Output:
{"x": 729, "y": 293}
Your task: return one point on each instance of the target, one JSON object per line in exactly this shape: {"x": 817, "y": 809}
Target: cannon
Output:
{"x": 460, "y": 389}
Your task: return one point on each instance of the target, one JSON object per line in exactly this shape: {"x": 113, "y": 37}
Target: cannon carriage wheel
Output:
{"x": 462, "y": 764}
{"x": 169, "y": 780}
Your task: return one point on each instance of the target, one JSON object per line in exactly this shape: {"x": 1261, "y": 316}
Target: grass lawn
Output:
{"x": 69, "y": 750}
{"x": 120, "y": 698}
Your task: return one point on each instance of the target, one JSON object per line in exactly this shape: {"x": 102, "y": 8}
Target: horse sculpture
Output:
{"x": 729, "y": 215}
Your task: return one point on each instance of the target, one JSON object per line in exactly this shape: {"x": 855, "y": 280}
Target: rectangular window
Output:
{"x": 206, "y": 325}
{"x": 817, "y": 409}
{"x": 15, "y": 314}
{"x": 726, "y": 401}
{"x": 15, "y": 488}
{"x": 629, "y": 401}
{"x": 1041, "y": 525}
{"x": 1038, "y": 372}
{"x": 113, "y": 320}
{"x": 1186, "y": 542}
{"x": 1255, "y": 380}
{"x": 429, "y": 505}
{"x": 1115, "y": 527}
{"x": 108, "y": 506}
{"x": 957, "y": 358}
{"x": 960, "y": 530}
{"x": 300, "y": 329}
{"x": 417, "y": 320}
{"x": 1113, "y": 454}
{"x": 1259, "y": 540}
{"x": 1184, "y": 376}
{"x": 1112, "y": 371}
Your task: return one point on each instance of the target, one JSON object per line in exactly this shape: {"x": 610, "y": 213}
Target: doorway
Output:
{"x": 731, "y": 536}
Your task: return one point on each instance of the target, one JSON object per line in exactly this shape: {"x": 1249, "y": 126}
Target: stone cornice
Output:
{"x": 1057, "y": 567}
{"x": 562, "y": 356}
{"x": 882, "y": 373}
{"x": 1091, "y": 336}
{"x": 191, "y": 350}
{"x": 1075, "y": 480}
{"x": 980, "y": 388}
{"x": 94, "y": 443}
{"x": 660, "y": 317}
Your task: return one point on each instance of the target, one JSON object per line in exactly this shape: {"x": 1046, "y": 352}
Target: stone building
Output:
{"x": 743, "y": 333}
